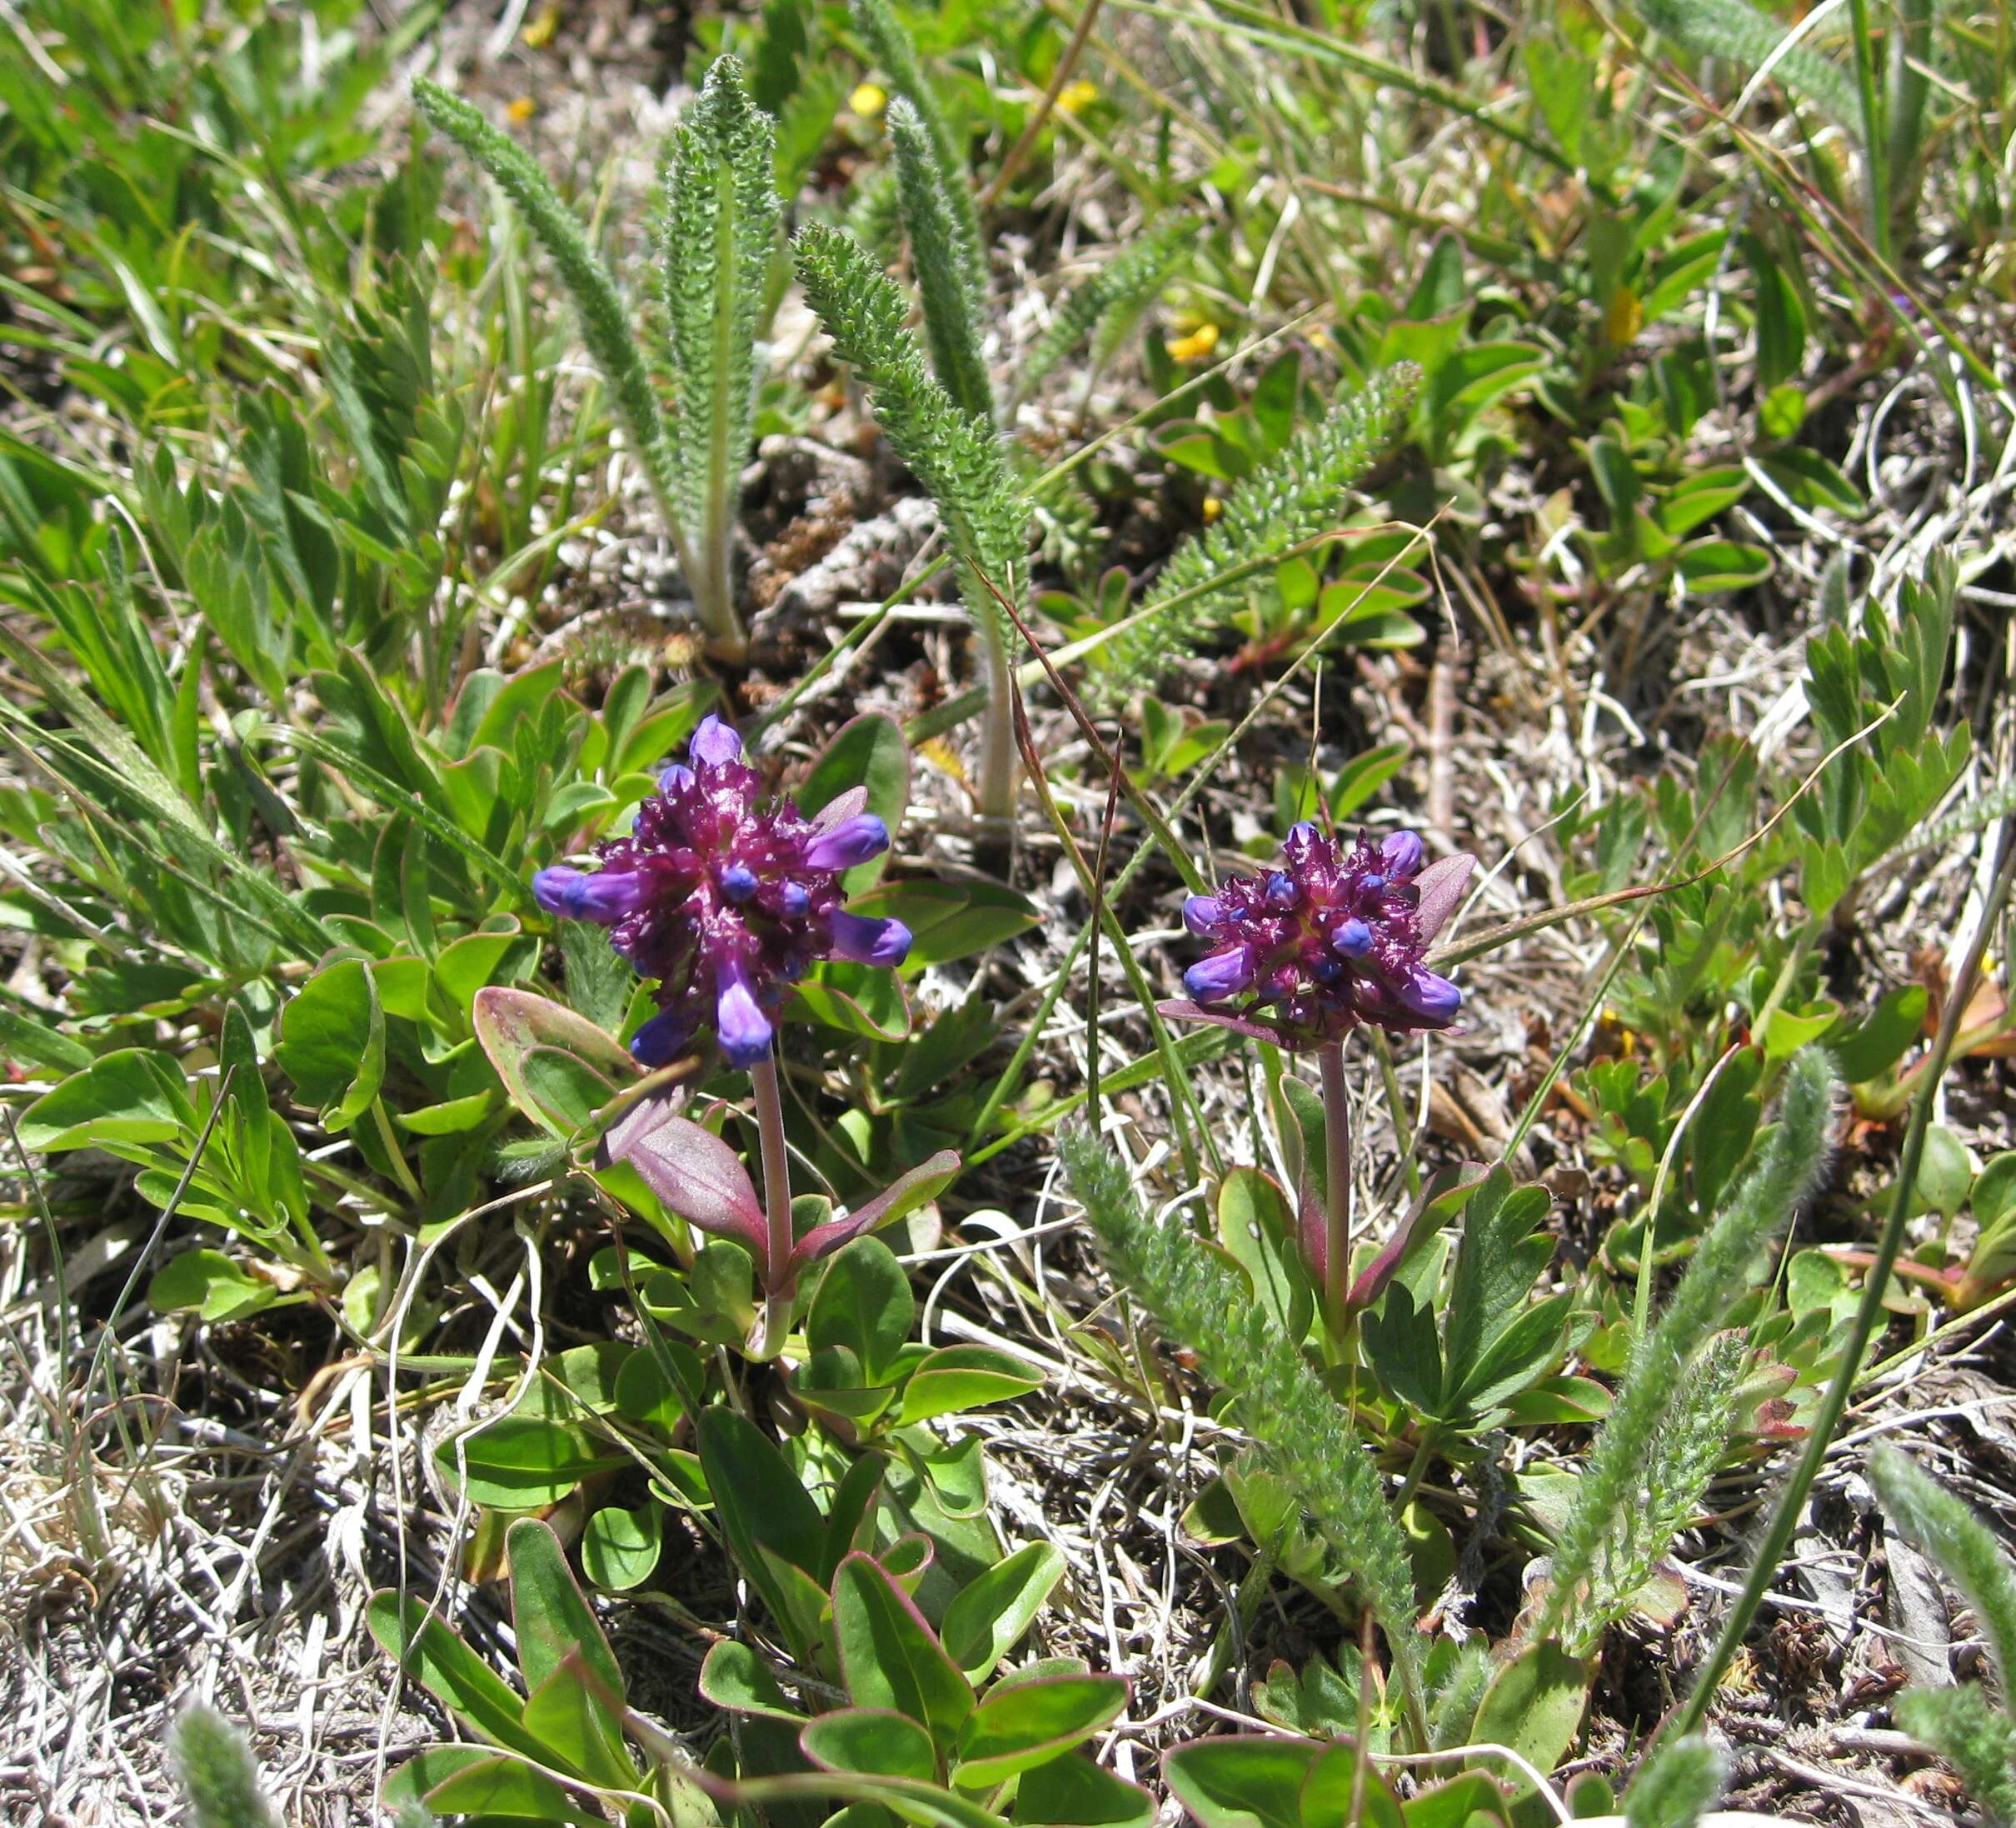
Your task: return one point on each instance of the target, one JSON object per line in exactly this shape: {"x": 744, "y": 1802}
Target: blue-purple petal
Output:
{"x": 1431, "y": 996}
{"x": 868, "y": 940}
{"x": 1222, "y": 975}
{"x": 738, "y": 1019}
{"x": 1201, "y": 914}
{"x": 852, "y": 841}
{"x": 1351, "y": 936}
{"x": 604, "y": 897}
{"x": 716, "y": 743}
{"x": 1402, "y": 853}
{"x": 661, "y": 1040}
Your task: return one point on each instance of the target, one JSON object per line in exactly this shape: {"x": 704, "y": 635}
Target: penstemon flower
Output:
{"x": 726, "y": 899}
{"x": 1332, "y": 938}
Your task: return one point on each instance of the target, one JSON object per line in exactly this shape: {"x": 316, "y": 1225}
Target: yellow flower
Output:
{"x": 1074, "y": 98}
{"x": 1213, "y": 507}
{"x": 1195, "y": 346}
{"x": 868, "y": 100}
{"x": 520, "y": 109}
{"x": 542, "y": 27}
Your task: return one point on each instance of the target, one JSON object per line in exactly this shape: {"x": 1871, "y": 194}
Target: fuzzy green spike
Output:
{"x": 1676, "y": 1786}
{"x": 1289, "y": 497}
{"x": 719, "y": 230}
{"x": 1973, "y": 1735}
{"x": 218, "y": 1776}
{"x": 606, "y": 322}
{"x": 1945, "y": 1528}
{"x": 1106, "y": 307}
{"x": 1738, "y": 32}
{"x": 954, "y": 311}
{"x": 1651, "y": 1446}
{"x": 955, "y": 456}
{"x": 1305, "y": 1437}
{"x": 894, "y": 50}
{"x": 875, "y": 215}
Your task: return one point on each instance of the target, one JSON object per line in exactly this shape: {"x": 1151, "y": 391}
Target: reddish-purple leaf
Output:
{"x": 841, "y": 808}
{"x": 692, "y": 1170}
{"x": 1441, "y": 885}
{"x": 1182, "y": 1010}
{"x": 1441, "y": 1201}
{"x": 901, "y": 1196}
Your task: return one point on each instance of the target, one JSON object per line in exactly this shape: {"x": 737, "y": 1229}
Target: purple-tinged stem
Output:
{"x": 1337, "y": 1179}
{"x": 775, "y": 1323}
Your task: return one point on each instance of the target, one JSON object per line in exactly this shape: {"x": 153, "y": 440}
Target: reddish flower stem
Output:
{"x": 777, "y": 1278}
{"x": 1337, "y": 1178}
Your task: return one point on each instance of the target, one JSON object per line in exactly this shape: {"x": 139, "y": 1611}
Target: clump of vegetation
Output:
{"x": 1280, "y": 965}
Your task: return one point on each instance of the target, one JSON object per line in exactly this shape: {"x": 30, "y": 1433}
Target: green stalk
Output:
{"x": 776, "y": 1320}
{"x": 997, "y": 756}
{"x": 1337, "y": 1180}
{"x": 1875, "y": 140}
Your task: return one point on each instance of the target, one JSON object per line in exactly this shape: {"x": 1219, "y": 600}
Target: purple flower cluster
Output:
{"x": 1331, "y": 938}
{"x": 726, "y": 899}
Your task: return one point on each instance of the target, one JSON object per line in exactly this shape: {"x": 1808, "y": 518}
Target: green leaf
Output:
{"x": 512, "y": 1024}
{"x": 215, "y": 1285}
{"x": 865, "y": 1304}
{"x": 764, "y": 1510}
{"x": 620, "y": 1549}
{"x": 991, "y": 1612}
{"x": 1457, "y": 1804}
{"x": 1241, "y": 1780}
{"x": 465, "y": 965}
{"x": 1863, "y": 1050}
{"x": 1403, "y": 1350}
{"x": 861, "y": 1000}
{"x": 734, "y": 1677}
{"x": 873, "y": 1740}
{"x": 449, "y": 1671}
{"x": 1249, "y": 1781}
{"x": 1701, "y": 497}
{"x": 950, "y": 921}
{"x": 1944, "y": 1174}
{"x": 549, "y": 1614}
{"x": 1476, "y": 377}
{"x": 130, "y": 1096}
{"x": 25, "y": 1042}
{"x": 520, "y": 1462}
{"x": 1812, "y": 481}
{"x": 567, "y": 1713}
{"x": 1256, "y": 1225}
{"x": 1503, "y": 1252}
{"x": 869, "y": 752}
{"x": 1074, "y": 1790}
{"x": 1719, "y": 565}
{"x": 956, "y": 1378}
{"x": 477, "y": 1782}
{"x": 1535, "y": 1705}
{"x": 1994, "y": 1200}
{"x": 1015, "y": 1728}
{"x": 889, "y": 1655}
{"x": 332, "y": 1041}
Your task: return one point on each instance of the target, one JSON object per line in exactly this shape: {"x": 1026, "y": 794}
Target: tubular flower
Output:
{"x": 726, "y": 899}
{"x": 1331, "y": 937}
